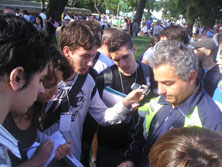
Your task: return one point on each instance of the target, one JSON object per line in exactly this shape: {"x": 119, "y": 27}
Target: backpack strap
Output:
{"x": 74, "y": 91}
{"x": 96, "y": 58}
{"x": 108, "y": 77}
{"x": 53, "y": 115}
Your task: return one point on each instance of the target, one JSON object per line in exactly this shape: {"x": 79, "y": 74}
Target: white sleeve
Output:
{"x": 147, "y": 55}
{"x": 107, "y": 116}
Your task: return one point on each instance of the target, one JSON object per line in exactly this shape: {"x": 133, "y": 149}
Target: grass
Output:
{"x": 141, "y": 45}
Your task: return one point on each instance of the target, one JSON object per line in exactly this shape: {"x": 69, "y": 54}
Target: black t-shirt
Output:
{"x": 117, "y": 136}
{"x": 25, "y": 137}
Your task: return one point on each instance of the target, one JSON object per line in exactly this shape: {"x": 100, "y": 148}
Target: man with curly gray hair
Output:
{"x": 181, "y": 101}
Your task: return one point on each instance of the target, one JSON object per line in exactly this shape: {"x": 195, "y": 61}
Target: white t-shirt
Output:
{"x": 144, "y": 29}
{"x": 124, "y": 26}
{"x": 147, "y": 55}
{"x": 27, "y": 17}
{"x": 102, "y": 63}
{"x": 43, "y": 16}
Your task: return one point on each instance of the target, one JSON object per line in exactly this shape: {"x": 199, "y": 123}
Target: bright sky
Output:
{"x": 157, "y": 14}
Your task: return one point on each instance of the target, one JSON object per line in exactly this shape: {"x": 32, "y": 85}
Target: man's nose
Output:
{"x": 161, "y": 89}
{"x": 41, "y": 89}
{"x": 90, "y": 62}
{"x": 54, "y": 91}
{"x": 122, "y": 63}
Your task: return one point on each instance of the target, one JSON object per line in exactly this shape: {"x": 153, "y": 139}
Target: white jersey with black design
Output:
{"x": 79, "y": 107}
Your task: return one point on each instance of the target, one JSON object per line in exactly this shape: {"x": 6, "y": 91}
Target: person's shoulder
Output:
{"x": 207, "y": 105}
{"x": 214, "y": 73}
{"x": 109, "y": 69}
{"x": 89, "y": 79}
{"x": 148, "y": 53}
{"x": 105, "y": 59}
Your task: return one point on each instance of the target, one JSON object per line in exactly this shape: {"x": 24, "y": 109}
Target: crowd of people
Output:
{"x": 162, "y": 110}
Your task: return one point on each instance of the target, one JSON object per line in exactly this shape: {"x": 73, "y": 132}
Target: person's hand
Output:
{"x": 126, "y": 164}
{"x": 62, "y": 150}
{"x": 133, "y": 97}
{"x": 43, "y": 152}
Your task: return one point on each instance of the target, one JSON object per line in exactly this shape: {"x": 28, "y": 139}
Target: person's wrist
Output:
{"x": 126, "y": 103}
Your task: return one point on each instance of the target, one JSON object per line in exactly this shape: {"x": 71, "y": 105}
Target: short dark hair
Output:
{"x": 175, "y": 32}
{"x": 107, "y": 34}
{"x": 155, "y": 38}
{"x": 21, "y": 44}
{"x": 187, "y": 147}
{"x": 75, "y": 35}
{"x": 118, "y": 40}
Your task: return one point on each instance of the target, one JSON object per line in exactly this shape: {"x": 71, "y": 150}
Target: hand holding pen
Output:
{"x": 43, "y": 152}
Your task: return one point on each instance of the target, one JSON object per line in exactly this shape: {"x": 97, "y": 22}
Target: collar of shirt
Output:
{"x": 188, "y": 105}
{"x": 7, "y": 140}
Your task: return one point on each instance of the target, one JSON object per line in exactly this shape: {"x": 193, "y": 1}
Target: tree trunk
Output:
{"x": 42, "y": 4}
{"x": 55, "y": 9}
{"x": 98, "y": 5}
{"x": 139, "y": 10}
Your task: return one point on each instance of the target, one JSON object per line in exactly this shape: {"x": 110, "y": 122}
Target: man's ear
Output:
{"x": 105, "y": 43}
{"x": 192, "y": 77}
{"x": 134, "y": 49}
{"x": 17, "y": 78}
{"x": 207, "y": 52}
{"x": 66, "y": 51}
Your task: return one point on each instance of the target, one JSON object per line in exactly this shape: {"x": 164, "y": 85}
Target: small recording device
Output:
{"x": 145, "y": 91}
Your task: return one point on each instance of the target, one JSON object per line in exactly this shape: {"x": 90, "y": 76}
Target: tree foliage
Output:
{"x": 206, "y": 11}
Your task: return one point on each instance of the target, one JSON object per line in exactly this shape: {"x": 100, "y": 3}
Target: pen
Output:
{"x": 29, "y": 148}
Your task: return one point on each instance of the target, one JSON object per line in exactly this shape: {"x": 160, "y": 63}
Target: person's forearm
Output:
{"x": 32, "y": 162}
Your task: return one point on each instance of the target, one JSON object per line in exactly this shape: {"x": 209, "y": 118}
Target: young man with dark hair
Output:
{"x": 100, "y": 61}
{"x": 174, "y": 33}
{"x": 23, "y": 65}
{"x": 107, "y": 34}
{"x": 113, "y": 140}
{"x": 77, "y": 44}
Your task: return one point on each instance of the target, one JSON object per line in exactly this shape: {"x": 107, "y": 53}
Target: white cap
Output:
{"x": 67, "y": 18}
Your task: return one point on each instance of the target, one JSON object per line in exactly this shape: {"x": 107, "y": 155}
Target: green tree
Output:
{"x": 206, "y": 11}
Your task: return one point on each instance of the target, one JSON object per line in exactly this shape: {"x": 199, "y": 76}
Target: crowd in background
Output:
{"x": 84, "y": 92}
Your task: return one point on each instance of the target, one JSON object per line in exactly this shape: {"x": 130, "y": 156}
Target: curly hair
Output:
{"x": 107, "y": 34}
{"x": 176, "y": 54}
